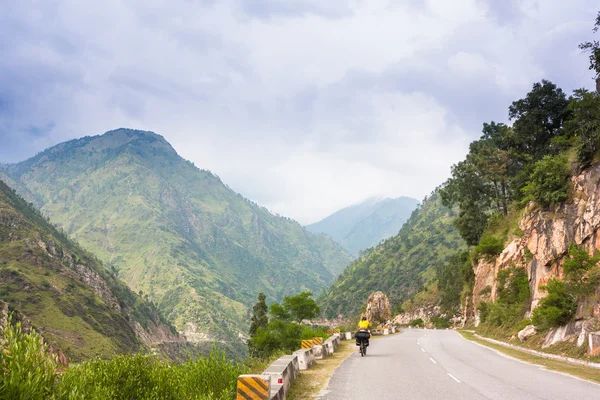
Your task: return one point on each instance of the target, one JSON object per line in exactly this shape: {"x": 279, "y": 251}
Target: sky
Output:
{"x": 303, "y": 106}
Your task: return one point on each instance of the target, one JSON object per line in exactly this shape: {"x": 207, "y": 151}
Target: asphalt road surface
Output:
{"x": 432, "y": 364}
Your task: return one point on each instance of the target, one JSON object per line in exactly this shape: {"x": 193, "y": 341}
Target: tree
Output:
{"x": 549, "y": 182}
{"x": 581, "y": 271}
{"x": 259, "y": 316}
{"x": 301, "y": 306}
{"x": 585, "y": 125}
{"x": 594, "y": 49}
{"x": 279, "y": 313}
{"x": 467, "y": 189}
{"x": 538, "y": 118}
{"x": 452, "y": 278}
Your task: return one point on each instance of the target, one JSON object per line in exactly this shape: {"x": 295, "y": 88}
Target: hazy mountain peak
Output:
{"x": 200, "y": 250}
{"x": 365, "y": 224}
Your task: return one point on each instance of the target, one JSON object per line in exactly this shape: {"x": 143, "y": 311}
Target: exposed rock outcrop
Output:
{"x": 526, "y": 333}
{"x": 544, "y": 244}
{"x": 378, "y": 308}
{"x": 421, "y": 313}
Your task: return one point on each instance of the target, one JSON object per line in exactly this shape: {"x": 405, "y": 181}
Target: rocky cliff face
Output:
{"x": 423, "y": 313}
{"x": 79, "y": 307}
{"x": 545, "y": 241}
{"x": 544, "y": 244}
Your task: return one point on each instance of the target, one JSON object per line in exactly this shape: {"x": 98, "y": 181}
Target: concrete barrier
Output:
{"x": 306, "y": 358}
{"x": 320, "y": 351}
{"x": 282, "y": 371}
{"x": 318, "y": 340}
{"x": 307, "y": 344}
{"x": 328, "y": 344}
{"x": 386, "y": 331}
{"x": 347, "y": 336}
{"x": 256, "y": 387}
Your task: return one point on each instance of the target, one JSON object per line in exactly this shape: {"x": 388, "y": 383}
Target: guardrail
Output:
{"x": 274, "y": 383}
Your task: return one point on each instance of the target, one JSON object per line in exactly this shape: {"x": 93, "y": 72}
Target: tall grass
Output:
{"x": 28, "y": 372}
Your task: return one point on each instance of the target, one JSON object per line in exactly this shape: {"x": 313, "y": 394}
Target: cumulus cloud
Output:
{"x": 304, "y": 106}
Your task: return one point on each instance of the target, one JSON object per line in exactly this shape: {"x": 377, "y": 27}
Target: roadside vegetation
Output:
{"x": 280, "y": 329}
{"x": 30, "y": 371}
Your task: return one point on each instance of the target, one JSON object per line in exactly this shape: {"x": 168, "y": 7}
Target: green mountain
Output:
{"x": 401, "y": 265}
{"x": 365, "y": 225}
{"x": 65, "y": 293}
{"x": 199, "y": 250}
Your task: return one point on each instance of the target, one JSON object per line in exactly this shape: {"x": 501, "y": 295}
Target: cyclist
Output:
{"x": 363, "y": 331}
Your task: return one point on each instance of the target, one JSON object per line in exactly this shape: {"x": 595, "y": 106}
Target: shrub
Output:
{"x": 485, "y": 291}
{"x": 512, "y": 301}
{"x": 489, "y": 246}
{"x": 281, "y": 336}
{"x": 440, "y": 322}
{"x": 484, "y": 311}
{"x": 581, "y": 271}
{"x": 557, "y": 308}
{"x": 28, "y": 371}
{"x": 145, "y": 377}
{"x": 417, "y": 322}
{"x": 549, "y": 182}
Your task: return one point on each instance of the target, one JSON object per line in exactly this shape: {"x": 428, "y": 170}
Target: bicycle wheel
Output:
{"x": 362, "y": 349}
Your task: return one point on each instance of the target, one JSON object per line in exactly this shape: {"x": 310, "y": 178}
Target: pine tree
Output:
{"x": 259, "y": 317}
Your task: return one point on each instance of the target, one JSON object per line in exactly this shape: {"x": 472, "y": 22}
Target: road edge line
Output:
{"x": 500, "y": 353}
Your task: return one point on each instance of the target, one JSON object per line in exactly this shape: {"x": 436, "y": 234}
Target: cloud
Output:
{"x": 304, "y": 106}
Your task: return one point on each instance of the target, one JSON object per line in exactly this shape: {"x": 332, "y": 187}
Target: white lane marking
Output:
{"x": 432, "y": 360}
{"x": 422, "y": 350}
{"x": 451, "y": 376}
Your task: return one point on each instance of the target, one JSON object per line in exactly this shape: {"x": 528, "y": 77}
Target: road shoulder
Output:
{"x": 312, "y": 381}
{"x": 577, "y": 371}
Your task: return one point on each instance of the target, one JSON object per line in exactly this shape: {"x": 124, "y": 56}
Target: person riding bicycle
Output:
{"x": 363, "y": 331}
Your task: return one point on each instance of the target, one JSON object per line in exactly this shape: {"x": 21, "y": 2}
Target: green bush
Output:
{"x": 557, "y": 308}
{"x": 585, "y": 125}
{"x": 440, "y": 322}
{"x": 282, "y": 336}
{"x": 484, "y": 311}
{"x": 489, "y": 246}
{"x": 512, "y": 300}
{"x": 145, "y": 377}
{"x": 28, "y": 371}
{"x": 549, "y": 182}
{"x": 417, "y": 322}
{"x": 581, "y": 271}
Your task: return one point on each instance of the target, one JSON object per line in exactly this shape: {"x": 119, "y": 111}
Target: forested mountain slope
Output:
{"x": 199, "y": 250}
{"x": 401, "y": 265}
{"x": 365, "y": 225}
{"x": 77, "y": 305}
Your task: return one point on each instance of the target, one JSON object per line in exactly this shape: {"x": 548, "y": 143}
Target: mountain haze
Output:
{"x": 201, "y": 251}
{"x": 401, "y": 265}
{"x": 77, "y": 305}
{"x": 364, "y": 225}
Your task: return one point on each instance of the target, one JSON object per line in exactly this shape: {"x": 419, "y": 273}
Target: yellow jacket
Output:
{"x": 363, "y": 324}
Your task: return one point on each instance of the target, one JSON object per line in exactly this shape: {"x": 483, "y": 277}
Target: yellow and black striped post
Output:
{"x": 307, "y": 344}
{"x": 330, "y": 331}
{"x": 253, "y": 387}
{"x": 318, "y": 340}
{"x": 336, "y": 331}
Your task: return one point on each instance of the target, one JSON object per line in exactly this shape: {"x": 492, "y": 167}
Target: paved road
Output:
{"x": 430, "y": 364}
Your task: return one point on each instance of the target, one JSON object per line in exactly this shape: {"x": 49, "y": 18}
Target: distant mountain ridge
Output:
{"x": 174, "y": 232}
{"x": 79, "y": 307}
{"x": 401, "y": 265}
{"x": 364, "y": 225}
